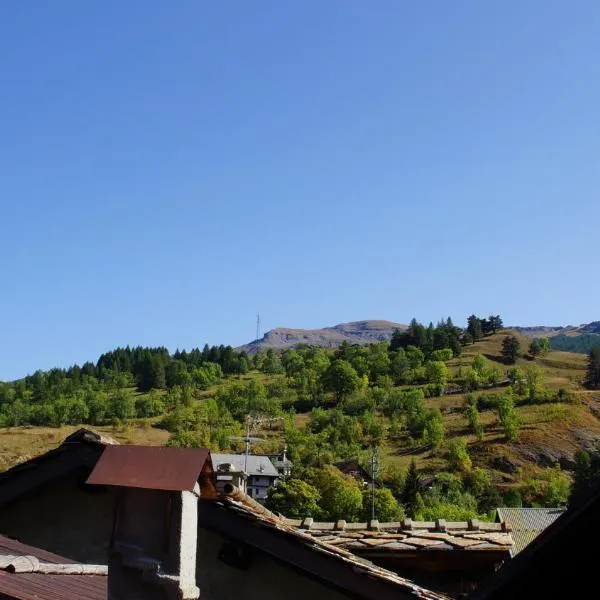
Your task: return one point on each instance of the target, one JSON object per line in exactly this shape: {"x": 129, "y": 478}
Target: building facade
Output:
{"x": 260, "y": 474}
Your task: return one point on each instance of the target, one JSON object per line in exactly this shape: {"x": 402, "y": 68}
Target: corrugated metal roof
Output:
{"x": 257, "y": 465}
{"x": 37, "y": 586}
{"x": 149, "y": 467}
{"x": 527, "y": 523}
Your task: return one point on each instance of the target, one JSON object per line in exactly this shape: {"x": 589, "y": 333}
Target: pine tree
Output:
{"x": 592, "y": 379}
{"x": 511, "y": 348}
{"x": 411, "y": 488}
{"x": 474, "y": 327}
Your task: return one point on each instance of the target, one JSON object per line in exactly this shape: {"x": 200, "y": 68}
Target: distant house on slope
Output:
{"x": 353, "y": 468}
{"x": 282, "y": 463}
{"x": 259, "y": 470}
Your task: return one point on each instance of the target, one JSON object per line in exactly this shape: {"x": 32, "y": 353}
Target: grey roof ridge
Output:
{"x": 441, "y": 525}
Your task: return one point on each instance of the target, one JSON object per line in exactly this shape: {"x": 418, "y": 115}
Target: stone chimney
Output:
{"x": 152, "y": 553}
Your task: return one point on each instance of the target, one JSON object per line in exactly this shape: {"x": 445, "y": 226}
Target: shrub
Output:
{"x": 458, "y": 455}
{"x": 295, "y": 499}
{"x": 433, "y": 432}
{"x": 444, "y": 355}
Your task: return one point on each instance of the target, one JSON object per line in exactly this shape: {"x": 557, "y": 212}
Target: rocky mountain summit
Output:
{"x": 356, "y": 332}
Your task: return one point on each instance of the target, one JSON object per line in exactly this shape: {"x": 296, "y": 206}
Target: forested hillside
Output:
{"x": 463, "y": 420}
{"x": 576, "y": 343}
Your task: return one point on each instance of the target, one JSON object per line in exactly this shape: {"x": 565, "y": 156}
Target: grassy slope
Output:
{"x": 18, "y": 444}
{"x": 549, "y": 432}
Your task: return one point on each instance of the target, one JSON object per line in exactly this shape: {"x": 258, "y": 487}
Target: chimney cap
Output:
{"x": 152, "y": 467}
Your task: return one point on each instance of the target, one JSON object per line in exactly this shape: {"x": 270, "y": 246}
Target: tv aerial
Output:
{"x": 252, "y": 423}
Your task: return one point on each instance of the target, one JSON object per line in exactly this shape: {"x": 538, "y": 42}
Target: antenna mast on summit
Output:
{"x": 257, "y": 326}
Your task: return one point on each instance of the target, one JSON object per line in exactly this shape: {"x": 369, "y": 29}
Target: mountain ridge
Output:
{"x": 353, "y": 332}
{"x": 380, "y": 330}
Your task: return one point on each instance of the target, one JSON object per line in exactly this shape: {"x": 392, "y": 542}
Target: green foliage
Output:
{"x": 551, "y": 490}
{"x": 512, "y": 498}
{"x": 415, "y": 357}
{"x": 272, "y": 363}
{"x": 518, "y": 379}
{"x": 445, "y": 500}
{"x": 539, "y": 346}
{"x": 341, "y": 497}
{"x": 474, "y": 328}
{"x": 121, "y": 405}
{"x": 386, "y": 506}
{"x": 428, "y": 339}
{"x": 243, "y": 398}
{"x": 508, "y": 417}
{"x": 586, "y": 477}
{"x": 458, "y": 455}
{"x": 480, "y": 365}
{"x": 341, "y": 378}
{"x": 150, "y": 405}
{"x": 472, "y": 415}
{"x": 294, "y": 499}
{"x": 444, "y": 355}
{"x": 411, "y": 489}
{"x": 480, "y": 485}
{"x": 472, "y": 380}
{"x": 206, "y": 375}
{"x": 399, "y": 365}
{"x": 437, "y": 372}
{"x": 533, "y": 379}
{"x": 434, "y": 431}
{"x": 583, "y": 343}
{"x": 511, "y": 348}
{"x": 394, "y": 478}
{"x": 182, "y": 438}
{"x": 592, "y": 377}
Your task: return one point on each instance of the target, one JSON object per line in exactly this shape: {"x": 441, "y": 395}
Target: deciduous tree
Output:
{"x": 294, "y": 499}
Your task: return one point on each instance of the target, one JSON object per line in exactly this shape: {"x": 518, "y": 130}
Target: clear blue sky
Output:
{"x": 168, "y": 169}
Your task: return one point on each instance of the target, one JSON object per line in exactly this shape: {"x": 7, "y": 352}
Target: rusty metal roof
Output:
{"x": 151, "y": 467}
{"x": 38, "y": 586}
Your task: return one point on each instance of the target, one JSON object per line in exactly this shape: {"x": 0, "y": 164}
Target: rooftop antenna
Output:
{"x": 247, "y": 439}
{"x": 374, "y": 475}
{"x": 252, "y": 423}
{"x": 257, "y": 326}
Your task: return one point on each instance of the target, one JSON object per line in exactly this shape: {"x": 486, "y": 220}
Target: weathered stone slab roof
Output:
{"x": 409, "y": 536}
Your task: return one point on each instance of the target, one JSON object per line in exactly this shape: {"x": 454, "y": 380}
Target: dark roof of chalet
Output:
{"x": 241, "y": 518}
{"x": 41, "y": 586}
{"x": 79, "y": 450}
{"x": 350, "y": 465}
{"x": 152, "y": 467}
{"x": 408, "y": 536}
{"x": 527, "y": 523}
{"x": 557, "y": 563}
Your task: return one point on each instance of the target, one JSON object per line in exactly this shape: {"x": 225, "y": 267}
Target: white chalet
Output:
{"x": 259, "y": 470}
